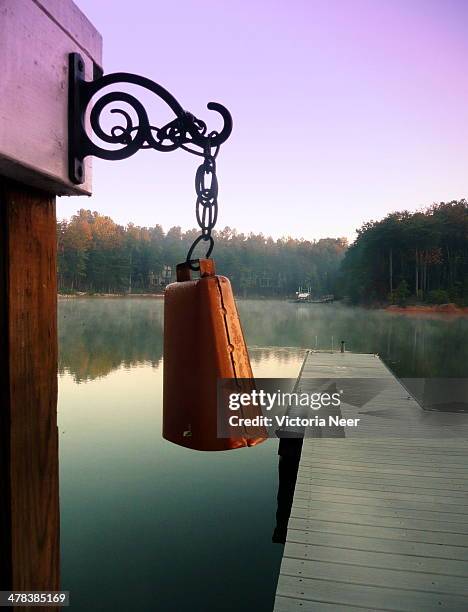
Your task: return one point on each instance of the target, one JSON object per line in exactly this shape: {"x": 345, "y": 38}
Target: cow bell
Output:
{"x": 203, "y": 343}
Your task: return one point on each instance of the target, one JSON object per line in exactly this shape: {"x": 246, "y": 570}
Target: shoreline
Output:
{"x": 63, "y": 296}
{"x": 450, "y": 309}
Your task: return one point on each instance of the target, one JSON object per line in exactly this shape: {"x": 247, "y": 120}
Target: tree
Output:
{"x": 428, "y": 250}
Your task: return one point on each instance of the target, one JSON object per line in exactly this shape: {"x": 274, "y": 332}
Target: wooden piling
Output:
{"x": 29, "y": 493}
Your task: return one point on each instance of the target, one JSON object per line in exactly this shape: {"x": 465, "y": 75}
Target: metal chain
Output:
{"x": 206, "y": 208}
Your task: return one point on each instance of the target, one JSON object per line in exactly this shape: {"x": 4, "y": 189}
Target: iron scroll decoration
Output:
{"x": 185, "y": 132}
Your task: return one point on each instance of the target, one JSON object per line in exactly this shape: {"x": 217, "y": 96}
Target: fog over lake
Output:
{"x": 99, "y": 335}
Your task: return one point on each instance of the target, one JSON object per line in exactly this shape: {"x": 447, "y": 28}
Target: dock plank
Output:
{"x": 374, "y": 597}
{"x": 288, "y": 604}
{"x": 363, "y": 574}
{"x": 366, "y": 558}
{"x": 379, "y": 520}
{"x": 377, "y": 544}
{"x": 387, "y": 533}
{"x": 337, "y": 506}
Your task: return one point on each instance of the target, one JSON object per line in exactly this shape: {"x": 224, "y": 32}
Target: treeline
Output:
{"x": 420, "y": 256}
{"x": 96, "y": 255}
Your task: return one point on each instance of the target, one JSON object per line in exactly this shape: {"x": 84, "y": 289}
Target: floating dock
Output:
{"x": 379, "y": 519}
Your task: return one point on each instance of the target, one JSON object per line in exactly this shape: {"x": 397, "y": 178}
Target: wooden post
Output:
{"x": 29, "y": 492}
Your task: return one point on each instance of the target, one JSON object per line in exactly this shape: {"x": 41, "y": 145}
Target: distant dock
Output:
{"x": 379, "y": 519}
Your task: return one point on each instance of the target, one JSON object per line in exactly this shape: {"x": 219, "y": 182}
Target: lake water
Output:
{"x": 146, "y": 525}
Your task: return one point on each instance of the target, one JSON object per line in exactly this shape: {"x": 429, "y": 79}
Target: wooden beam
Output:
{"x": 36, "y": 37}
{"x": 29, "y": 494}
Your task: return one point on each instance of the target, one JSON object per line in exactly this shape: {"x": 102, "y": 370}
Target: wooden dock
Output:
{"x": 379, "y": 519}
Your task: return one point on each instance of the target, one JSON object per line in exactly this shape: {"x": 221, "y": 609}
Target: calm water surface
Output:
{"x": 147, "y": 525}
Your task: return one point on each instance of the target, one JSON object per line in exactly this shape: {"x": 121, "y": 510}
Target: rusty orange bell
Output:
{"x": 203, "y": 343}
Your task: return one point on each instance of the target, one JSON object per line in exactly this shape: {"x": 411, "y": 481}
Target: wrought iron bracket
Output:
{"x": 185, "y": 131}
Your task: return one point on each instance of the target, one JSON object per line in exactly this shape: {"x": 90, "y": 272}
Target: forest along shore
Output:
{"x": 406, "y": 258}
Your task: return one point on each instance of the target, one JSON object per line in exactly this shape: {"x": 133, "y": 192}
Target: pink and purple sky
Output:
{"x": 344, "y": 110}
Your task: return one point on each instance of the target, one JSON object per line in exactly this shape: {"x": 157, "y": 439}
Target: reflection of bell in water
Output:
{"x": 203, "y": 342}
